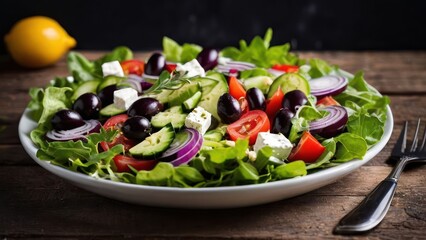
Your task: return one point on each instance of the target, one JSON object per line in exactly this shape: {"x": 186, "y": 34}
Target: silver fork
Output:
{"x": 371, "y": 211}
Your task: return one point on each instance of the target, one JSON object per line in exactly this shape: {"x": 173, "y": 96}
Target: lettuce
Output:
{"x": 179, "y": 54}
{"x": 367, "y": 109}
{"x": 261, "y": 53}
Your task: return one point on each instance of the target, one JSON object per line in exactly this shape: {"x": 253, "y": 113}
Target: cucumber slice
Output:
{"x": 86, "y": 87}
{"x": 175, "y": 109}
{"x": 161, "y": 119}
{"x": 192, "y": 102}
{"x": 209, "y": 99}
{"x": 177, "y": 97}
{"x": 111, "y": 110}
{"x": 213, "y": 135}
{"x": 289, "y": 82}
{"x": 155, "y": 144}
{"x": 109, "y": 80}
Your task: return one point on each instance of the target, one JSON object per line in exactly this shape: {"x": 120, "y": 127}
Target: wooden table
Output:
{"x": 37, "y": 204}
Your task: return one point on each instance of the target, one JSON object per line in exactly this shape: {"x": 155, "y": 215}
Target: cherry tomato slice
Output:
{"x": 308, "y": 149}
{"x": 123, "y": 162}
{"x": 132, "y": 66}
{"x": 274, "y": 104}
{"x": 327, "y": 101}
{"x": 286, "y": 68}
{"x": 115, "y": 122}
{"x": 236, "y": 89}
{"x": 249, "y": 126}
{"x": 170, "y": 67}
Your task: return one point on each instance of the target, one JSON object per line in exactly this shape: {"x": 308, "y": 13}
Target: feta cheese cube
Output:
{"x": 123, "y": 98}
{"x": 112, "y": 68}
{"x": 193, "y": 68}
{"x": 199, "y": 119}
{"x": 281, "y": 146}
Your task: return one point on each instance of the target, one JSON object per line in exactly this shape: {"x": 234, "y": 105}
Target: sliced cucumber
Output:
{"x": 111, "y": 110}
{"x": 289, "y": 82}
{"x": 192, "y": 102}
{"x": 180, "y": 95}
{"x": 209, "y": 99}
{"x": 86, "y": 87}
{"x": 155, "y": 144}
{"x": 109, "y": 80}
{"x": 161, "y": 119}
{"x": 177, "y": 97}
{"x": 174, "y": 109}
{"x": 213, "y": 135}
{"x": 261, "y": 82}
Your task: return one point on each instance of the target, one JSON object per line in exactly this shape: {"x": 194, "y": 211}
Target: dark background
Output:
{"x": 307, "y": 24}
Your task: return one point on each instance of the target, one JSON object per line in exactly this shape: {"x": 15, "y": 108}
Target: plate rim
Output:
{"x": 31, "y": 150}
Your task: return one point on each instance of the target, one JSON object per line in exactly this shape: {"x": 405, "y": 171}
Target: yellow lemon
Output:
{"x": 38, "y": 41}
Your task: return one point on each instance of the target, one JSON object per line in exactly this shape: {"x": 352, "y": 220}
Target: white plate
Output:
{"x": 215, "y": 197}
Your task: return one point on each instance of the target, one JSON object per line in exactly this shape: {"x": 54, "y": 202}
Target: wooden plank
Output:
{"x": 14, "y": 155}
{"x": 389, "y": 72}
{"x": 44, "y": 206}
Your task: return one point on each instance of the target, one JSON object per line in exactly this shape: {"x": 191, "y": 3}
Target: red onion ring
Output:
{"x": 332, "y": 124}
{"x": 275, "y": 72}
{"x": 134, "y": 84}
{"x": 75, "y": 134}
{"x": 185, "y": 151}
{"x": 237, "y": 65}
{"x": 328, "y": 85}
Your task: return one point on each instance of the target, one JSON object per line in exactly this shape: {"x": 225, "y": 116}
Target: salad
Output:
{"x": 198, "y": 117}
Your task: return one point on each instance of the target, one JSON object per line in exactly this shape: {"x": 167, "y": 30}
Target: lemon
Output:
{"x": 38, "y": 41}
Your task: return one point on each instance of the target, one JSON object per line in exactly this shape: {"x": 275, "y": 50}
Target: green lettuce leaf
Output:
{"x": 179, "y": 54}
{"x": 261, "y": 53}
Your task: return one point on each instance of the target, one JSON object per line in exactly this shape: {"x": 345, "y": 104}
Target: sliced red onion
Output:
{"x": 134, "y": 84}
{"x": 233, "y": 73}
{"x": 237, "y": 65}
{"x": 332, "y": 124}
{"x": 135, "y": 77}
{"x": 275, "y": 72}
{"x": 182, "y": 152}
{"x": 328, "y": 85}
{"x": 146, "y": 85}
{"x": 75, "y": 134}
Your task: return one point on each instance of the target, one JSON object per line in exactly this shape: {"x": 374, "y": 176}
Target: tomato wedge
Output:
{"x": 308, "y": 149}
{"x": 249, "y": 126}
{"x": 236, "y": 89}
{"x": 286, "y": 68}
{"x": 115, "y": 122}
{"x": 274, "y": 104}
{"x": 123, "y": 162}
{"x": 170, "y": 67}
{"x": 327, "y": 101}
{"x": 132, "y": 66}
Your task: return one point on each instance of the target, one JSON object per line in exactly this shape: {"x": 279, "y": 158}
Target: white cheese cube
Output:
{"x": 112, "y": 68}
{"x": 281, "y": 146}
{"x": 123, "y": 98}
{"x": 199, "y": 119}
{"x": 192, "y": 69}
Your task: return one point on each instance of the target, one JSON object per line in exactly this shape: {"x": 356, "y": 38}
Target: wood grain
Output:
{"x": 44, "y": 205}
{"x": 36, "y": 204}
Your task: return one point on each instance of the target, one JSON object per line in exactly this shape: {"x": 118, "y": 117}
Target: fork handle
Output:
{"x": 371, "y": 211}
